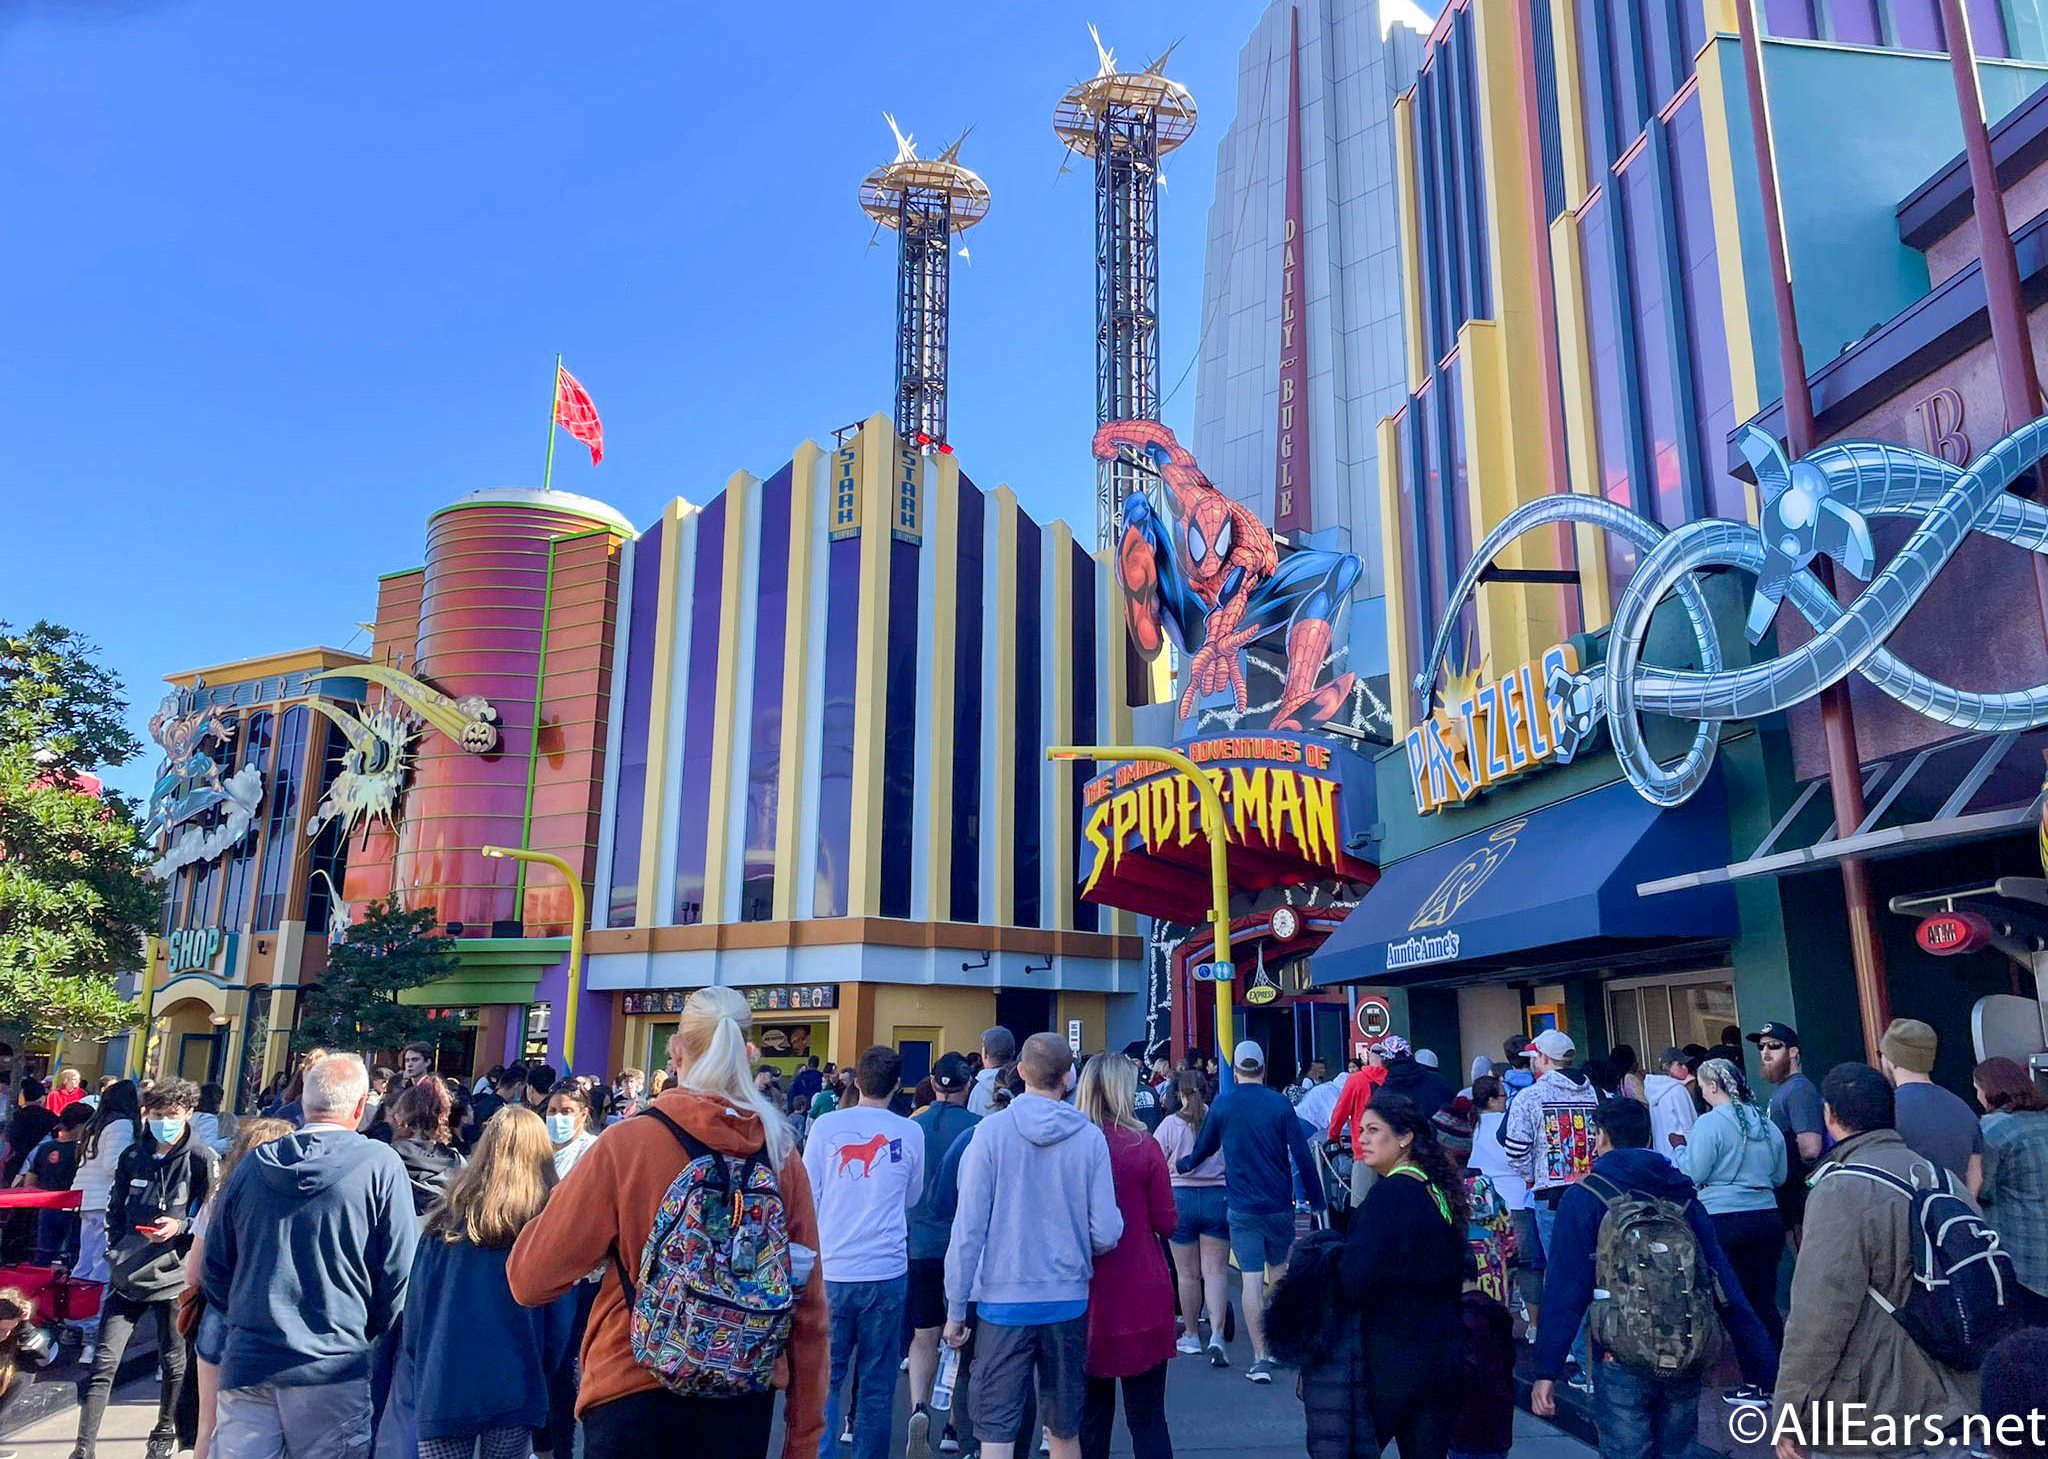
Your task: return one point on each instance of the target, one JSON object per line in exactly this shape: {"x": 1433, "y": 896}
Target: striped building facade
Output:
{"x": 833, "y": 692}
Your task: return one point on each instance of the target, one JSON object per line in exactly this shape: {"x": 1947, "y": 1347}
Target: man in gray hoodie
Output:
{"x": 1036, "y": 1207}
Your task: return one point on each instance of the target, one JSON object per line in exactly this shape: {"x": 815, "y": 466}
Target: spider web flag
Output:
{"x": 575, "y": 413}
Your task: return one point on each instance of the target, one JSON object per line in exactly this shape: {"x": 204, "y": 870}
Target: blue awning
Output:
{"x": 1555, "y": 886}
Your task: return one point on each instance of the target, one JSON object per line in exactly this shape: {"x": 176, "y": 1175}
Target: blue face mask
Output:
{"x": 167, "y": 1131}
{"x": 561, "y": 1128}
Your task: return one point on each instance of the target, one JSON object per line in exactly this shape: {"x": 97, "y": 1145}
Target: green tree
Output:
{"x": 75, "y": 900}
{"x": 355, "y": 1006}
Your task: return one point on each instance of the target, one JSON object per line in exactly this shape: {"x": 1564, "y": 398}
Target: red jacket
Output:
{"x": 1130, "y": 1298}
{"x": 1358, "y": 1092}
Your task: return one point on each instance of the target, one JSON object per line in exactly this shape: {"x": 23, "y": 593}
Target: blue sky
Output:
{"x": 283, "y": 278}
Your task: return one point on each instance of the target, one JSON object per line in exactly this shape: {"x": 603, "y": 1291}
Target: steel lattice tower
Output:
{"x": 1127, "y": 121}
{"x": 926, "y": 202}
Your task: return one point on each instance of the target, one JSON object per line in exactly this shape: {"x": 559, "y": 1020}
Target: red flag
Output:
{"x": 575, "y": 413}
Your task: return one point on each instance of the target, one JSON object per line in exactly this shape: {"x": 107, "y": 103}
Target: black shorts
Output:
{"x": 1009, "y": 1361}
{"x": 926, "y": 1302}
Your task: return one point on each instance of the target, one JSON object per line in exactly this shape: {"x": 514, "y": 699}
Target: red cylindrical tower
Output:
{"x": 481, "y": 607}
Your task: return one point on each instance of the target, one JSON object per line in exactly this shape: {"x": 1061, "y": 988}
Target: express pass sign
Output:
{"x": 1290, "y": 807}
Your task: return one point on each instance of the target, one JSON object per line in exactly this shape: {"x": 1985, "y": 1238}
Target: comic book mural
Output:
{"x": 196, "y": 810}
{"x": 1260, "y": 626}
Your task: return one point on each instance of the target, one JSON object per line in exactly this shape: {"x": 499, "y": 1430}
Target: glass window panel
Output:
{"x": 255, "y": 750}
{"x": 899, "y": 728}
{"x": 1625, "y": 1019}
{"x": 1413, "y": 553}
{"x": 631, "y": 796}
{"x": 700, "y": 715}
{"x": 281, "y": 828}
{"x": 1987, "y": 28}
{"x": 1657, "y": 1029}
{"x": 1699, "y": 1011}
{"x": 1087, "y": 916}
{"x": 835, "y": 785}
{"x": 1625, "y": 68}
{"x": 1788, "y": 19}
{"x": 1593, "y": 90}
{"x": 1026, "y": 899}
{"x": 1610, "y": 410}
{"x": 1712, "y": 382}
{"x": 1916, "y": 25}
{"x": 965, "y": 889}
{"x": 764, "y": 754}
{"x": 1458, "y": 504}
{"x": 1655, "y": 332}
{"x": 1853, "y": 22}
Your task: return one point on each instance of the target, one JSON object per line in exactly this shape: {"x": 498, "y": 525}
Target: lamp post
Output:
{"x": 1219, "y": 859}
{"x": 576, "y": 915}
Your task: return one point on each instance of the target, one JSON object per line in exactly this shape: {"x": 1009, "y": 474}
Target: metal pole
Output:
{"x": 2011, "y": 339}
{"x": 1838, "y": 723}
{"x": 547, "y": 480}
{"x": 578, "y": 911}
{"x": 1219, "y": 857}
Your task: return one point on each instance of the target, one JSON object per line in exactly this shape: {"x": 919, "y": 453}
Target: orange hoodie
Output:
{"x": 608, "y": 1202}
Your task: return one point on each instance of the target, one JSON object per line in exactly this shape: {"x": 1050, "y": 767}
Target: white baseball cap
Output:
{"x": 1554, "y": 1044}
{"x": 1249, "y": 1055}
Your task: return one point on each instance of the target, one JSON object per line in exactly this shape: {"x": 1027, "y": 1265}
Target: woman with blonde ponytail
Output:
{"x": 603, "y": 1217}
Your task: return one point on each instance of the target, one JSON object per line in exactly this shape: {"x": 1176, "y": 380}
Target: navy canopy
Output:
{"x": 1555, "y": 886}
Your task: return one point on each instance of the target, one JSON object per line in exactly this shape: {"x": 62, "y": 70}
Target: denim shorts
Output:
{"x": 1202, "y": 1211}
{"x": 1261, "y": 1240}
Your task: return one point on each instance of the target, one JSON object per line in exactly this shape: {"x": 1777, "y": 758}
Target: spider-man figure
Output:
{"x": 1228, "y": 589}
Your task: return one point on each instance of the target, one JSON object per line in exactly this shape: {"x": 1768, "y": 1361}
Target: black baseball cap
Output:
{"x": 951, "y": 1074}
{"x": 1784, "y": 1033}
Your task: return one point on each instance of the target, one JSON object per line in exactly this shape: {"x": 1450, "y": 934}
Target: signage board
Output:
{"x": 909, "y": 524}
{"x": 1375, "y": 1018}
{"x": 845, "y": 491}
{"x": 1950, "y": 934}
{"x": 1074, "y": 1035}
{"x": 1490, "y": 733}
{"x": 1214, "y": 972}
{"x": 798, "y": 998}
{"x": 199, "y": 950}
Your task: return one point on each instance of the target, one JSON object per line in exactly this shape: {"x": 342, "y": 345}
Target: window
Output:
{"x": 1789, "y": 19}
{"x": 1916, "y": 25}
{"x": 1610, "y": 405}
{"x": 1026, "y": 904}
{"x": 631, "y": 802}
{"x": 1987, "y": 28}
{"x": 329, "y": 854}
{"x": 835, "y": 775}
{"x": 242, "y": 858}
{"x": 1595, "y": 89}
{"x": 281, "y": 829}
{"x": 1456, "y": 504}
{"x": 1545, "y": 50}
{"x": 1658, "y": 339}
{"x": 899, "y": 729}
{"x": 1651, "y": 1015}
{"x": 1414, "y": 570}
{"x": 700, "y": 715}
{"x": 1700, "y": 272}
{"x": 1853, "y": 22}
{"x": 764, "y": 753}
{"x": 964, "y": 891}
{"x": 1625, "y": 67}
{"x": 1086, "y": 915}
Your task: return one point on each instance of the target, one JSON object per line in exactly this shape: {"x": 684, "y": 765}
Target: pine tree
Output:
{"x": 356, "y": 1007}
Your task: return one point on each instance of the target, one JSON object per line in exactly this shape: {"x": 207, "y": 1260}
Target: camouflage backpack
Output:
{"x": 1653, "y": 1298}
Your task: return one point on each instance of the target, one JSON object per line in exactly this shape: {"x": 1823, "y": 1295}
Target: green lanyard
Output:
{"x": 1443, "y": 1205}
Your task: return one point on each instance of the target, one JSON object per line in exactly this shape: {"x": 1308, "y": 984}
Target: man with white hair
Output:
{"x": 307, "y": 1253}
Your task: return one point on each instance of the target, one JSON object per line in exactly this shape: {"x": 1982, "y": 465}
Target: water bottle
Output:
{"x": 942, "y": 1385}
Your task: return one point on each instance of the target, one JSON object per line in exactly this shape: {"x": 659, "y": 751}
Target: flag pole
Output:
{"x": 547, "y": 481}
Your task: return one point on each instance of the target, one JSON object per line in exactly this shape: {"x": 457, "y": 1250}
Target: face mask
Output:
{"x": 561, "y": 1128}
{"x": 167, "y": 1131}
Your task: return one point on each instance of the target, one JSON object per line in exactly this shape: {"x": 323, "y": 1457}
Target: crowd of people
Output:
{"x": 1035, "y": 1239}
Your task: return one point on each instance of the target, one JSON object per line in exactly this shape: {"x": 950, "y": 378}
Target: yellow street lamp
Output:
{"x": 1219, "y": 857}
{"x": 576, "y": 916}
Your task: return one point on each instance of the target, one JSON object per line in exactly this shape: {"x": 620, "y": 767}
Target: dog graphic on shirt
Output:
{"x": 866, "y": 1153}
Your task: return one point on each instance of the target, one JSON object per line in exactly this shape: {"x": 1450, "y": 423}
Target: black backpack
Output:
{"x": 1966, "y": 1292}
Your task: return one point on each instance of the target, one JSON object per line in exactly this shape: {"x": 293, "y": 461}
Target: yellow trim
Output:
{"x": 1575, "y": 367}
{"x": 878, "y": 510}
{"x": 1061, "y": 911}
{"x": 1411, "y": 238}
{"x": 1515, "y": 623}
{"x": 739, "y": 499}
{"x": 241, "y": 671}
{"x": 1000, "y": 830}
{"x": 1714, "y": 121}
{"x": 942, "y": 541}
{"x": 1113, "y": 693}
{"x": 659, "y": 689}
{"x": 1720, "y": 17}
{"x": 1571, "y": 121}
{"x": 1393, "y": 564}
{"x": 805, "y": 482}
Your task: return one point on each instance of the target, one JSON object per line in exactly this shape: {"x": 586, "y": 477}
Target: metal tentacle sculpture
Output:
{"x": 1815, "y": 507}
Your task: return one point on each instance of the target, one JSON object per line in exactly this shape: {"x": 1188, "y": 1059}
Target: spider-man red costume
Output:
{"x": 1227, "y": 589}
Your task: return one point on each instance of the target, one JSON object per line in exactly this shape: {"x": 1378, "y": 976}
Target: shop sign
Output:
{"x": 1278, "y": 794}
{"x": 1213, "y": 972}
{"x": 846, "y": 491}
{"x": 1375, "y": 1018}
{"x": 667, "y": 1001}
{"x": 1950, "y": 934}
{"x": 1074, "y": 1035}
{"x": 783, "y": 1040}
{"x": 198, "y": 949}
{"x": 1422, "y": 950}
{"x": 1491, "y": 733}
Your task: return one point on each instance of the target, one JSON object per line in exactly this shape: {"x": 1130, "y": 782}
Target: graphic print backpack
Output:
{"x": 1965, "y": 1290}
{"x": 715, "y": 1301}
{"x": 1654, "y": 1294}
